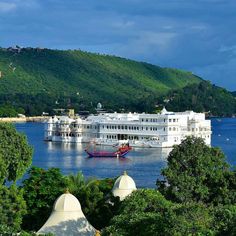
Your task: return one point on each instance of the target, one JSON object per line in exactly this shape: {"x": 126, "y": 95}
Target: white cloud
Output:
{"x": 6, "y": 6}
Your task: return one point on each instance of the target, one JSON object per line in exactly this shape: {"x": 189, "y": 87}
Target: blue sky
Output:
{"x": 195, "y": 35}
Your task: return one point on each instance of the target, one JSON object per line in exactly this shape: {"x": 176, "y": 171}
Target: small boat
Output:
{"x": 120, "y": 152}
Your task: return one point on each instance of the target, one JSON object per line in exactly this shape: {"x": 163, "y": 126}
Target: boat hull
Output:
{"x": 106, "y": 154}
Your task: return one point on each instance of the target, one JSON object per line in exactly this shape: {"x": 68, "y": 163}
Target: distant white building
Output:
{"x": 123, "y": 186}
{"x": 67, "y": 219}
{"x": 142, "y": 130}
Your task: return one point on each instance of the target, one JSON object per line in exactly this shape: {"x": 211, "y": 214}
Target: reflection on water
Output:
{"x": 143, "y": 164}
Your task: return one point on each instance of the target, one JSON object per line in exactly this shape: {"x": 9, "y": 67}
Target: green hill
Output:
{"x": 203, "y": 97}
{"x": 41, "y": 79}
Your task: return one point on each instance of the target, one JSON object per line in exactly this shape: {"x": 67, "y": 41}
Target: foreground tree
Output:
{"x": 94, "y": 196}
{"x": 225, "y": 220}
{"x": 196, "y": 172}
{"x": 15, "y": 158}
{"x": 12, "y": 207}
{"x": 148, "y": 213}
{"x": 15, "y": 153}
{"x": 41, "y": 190}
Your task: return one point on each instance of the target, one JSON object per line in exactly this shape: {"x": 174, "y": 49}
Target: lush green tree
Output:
{"x": 75, "y": 182}
{"x": 147, "y": 212}
{"x": 196, "y": 172}
{"x": 15, "y": 153}
{"x": 193, "y": 219}
{"x": 41, "y": 189}
{"x": 12, "y": 208}
{"x": 94, "y": 196}
{"x": 225, "y": 220}
{"x": 7, "y": 111}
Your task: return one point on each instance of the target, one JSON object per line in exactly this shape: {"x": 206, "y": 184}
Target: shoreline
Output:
{"x": 23, "y": 119}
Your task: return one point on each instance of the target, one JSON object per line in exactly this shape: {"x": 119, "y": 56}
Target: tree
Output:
{"x": 75, "y": 182}
{"x": 15, "y": 153}
{"x": 146, "y": 213}
{"x": 41, "y": 190}
{"x": 225, "y": 220}
{"x": 93, "y": 195}
{"x": 12, "y": 208}
{"x": 196, "y": 172}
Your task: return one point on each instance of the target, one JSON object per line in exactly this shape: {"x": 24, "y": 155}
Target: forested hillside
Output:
{"x": 41, "y": 79}
{"x": 33, "y": 80}
{"x": 203, "y": 97}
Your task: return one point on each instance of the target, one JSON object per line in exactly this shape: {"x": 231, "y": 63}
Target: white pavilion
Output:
{"x": 67, "y": 219}
{"x": 123, "y": 186}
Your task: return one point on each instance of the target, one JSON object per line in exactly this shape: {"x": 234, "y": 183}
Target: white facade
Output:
{"x": 143, "y": 130}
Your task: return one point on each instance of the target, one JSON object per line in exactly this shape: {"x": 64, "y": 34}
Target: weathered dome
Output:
{"x": 123, "y": 186}
{"x": 67, "y": 218}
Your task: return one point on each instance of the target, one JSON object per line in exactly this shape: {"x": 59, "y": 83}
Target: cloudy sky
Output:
{"x": 195, "y": 35}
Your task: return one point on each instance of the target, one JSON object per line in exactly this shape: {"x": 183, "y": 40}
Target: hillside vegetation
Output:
{"x": 41, "y": 79}
{"x": 203, "y": 97}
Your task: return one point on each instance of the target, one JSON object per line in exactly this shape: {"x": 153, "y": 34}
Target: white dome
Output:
{"x": 123, "y": 186}
{"x": 67, "y": 218}
{"x": 164, "y": 111}
{"x": 67, "y": 202}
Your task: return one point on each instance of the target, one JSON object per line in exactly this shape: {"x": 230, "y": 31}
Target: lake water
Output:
{"x": 143, "y": 164}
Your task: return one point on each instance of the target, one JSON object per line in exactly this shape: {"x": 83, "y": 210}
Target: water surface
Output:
{"x": 144, "y": 165}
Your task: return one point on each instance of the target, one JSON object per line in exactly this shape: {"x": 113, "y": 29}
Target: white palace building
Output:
{"x": 141, "y": 130}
